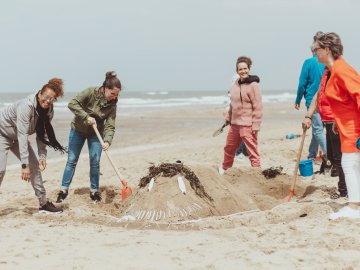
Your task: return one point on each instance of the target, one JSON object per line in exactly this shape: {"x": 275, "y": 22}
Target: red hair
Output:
{"x": 56, "y": 85}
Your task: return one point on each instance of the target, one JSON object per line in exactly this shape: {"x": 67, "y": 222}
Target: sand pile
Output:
{"x": 207, "y": 193}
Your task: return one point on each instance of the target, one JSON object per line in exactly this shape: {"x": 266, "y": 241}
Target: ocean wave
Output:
{"x": 157, "y": 93}
{"x": 167, "y": 99}
{"x": 283, "y": 97}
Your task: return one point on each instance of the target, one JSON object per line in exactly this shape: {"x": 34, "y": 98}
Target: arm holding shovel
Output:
{"x": 312, "y": 109}
{"x": 92, "y": 122}
{"x": 126, "y": 191}
{"x": 109, "y": 130}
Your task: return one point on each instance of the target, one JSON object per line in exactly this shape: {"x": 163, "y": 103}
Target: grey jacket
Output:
{"x": 18, "y": 121}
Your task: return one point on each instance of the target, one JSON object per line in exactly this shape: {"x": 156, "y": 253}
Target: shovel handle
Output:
{"x": 108, "y": 156}
{"x": 297, "y": 161}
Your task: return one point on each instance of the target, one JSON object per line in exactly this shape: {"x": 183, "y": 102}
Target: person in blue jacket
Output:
{"x": 309, "y": 83}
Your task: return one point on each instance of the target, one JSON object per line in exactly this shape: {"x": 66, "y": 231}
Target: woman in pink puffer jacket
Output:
{"x": 245, "y": 115}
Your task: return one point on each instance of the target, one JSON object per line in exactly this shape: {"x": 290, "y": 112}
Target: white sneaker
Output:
{"x": 240, "y": 157}
{"x": 346, "y": 212}
{"x": 221, "y": 171}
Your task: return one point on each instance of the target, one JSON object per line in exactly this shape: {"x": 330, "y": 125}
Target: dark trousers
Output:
{"x": 334, "y": 154}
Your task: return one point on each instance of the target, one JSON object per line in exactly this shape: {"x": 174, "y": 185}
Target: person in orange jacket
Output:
{"x": 333, "y": 143}
{"x": 343, "y": 93}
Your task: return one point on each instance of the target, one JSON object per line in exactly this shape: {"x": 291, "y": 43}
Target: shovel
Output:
{"x": 219, "y": 131}
{"x": 126, "y": 191}
{"x": 292, "y": 189}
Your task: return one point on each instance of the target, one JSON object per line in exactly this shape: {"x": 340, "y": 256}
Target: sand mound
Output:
{"x": 237, "y": 191}
{"x": 240, "y": 196}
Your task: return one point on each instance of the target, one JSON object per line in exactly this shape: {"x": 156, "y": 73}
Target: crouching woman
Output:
{"x": 18, "y": 121}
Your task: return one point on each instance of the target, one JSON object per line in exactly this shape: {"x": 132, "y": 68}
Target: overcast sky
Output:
{"x": 166, "y": 45}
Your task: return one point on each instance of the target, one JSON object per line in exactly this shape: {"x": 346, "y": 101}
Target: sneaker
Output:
{"x": 335, "y": 196}
{"x": 62, "y": 195}
{"x": 95, "y": 196}
{"x": 49, "y": 208}
{"x": 240, "y": 157}
{"x": 221, "y": 171}
{"x": 346, "y": 212}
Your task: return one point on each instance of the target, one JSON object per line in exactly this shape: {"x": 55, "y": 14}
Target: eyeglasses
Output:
{"x": 48, "y": 98}
{"x": 316, "y": 49}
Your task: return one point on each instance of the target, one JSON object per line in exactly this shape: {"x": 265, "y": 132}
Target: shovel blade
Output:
{"x": 289, "y": 197}
{"x": 126, "y": 191}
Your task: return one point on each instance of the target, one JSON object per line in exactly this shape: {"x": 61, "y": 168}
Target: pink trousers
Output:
{"x": 236, "y": 135}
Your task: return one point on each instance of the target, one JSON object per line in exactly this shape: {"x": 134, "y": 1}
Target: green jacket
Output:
{"x": 91, "y": 102}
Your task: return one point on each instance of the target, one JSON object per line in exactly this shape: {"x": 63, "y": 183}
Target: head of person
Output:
{"x": 50, "y": 92}
{"x": 111, "y": 87}
{"x": 243, "y": 65}
{"x": 315, "y": 38}
{"x": 328, "y": 47}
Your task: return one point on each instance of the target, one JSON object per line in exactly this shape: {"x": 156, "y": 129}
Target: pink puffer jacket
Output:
{"x": 246, "y": 108}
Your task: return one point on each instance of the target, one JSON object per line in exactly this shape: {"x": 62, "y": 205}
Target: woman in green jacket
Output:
{"x": 93, "y": 106}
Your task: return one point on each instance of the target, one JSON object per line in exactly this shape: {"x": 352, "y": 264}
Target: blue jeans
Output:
{"x": 76, "y": 143}
{"x": 318, "y": 136}
{"x": 241, "y": 149}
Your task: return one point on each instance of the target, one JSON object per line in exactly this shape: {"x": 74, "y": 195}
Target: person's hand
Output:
{"x": 105, "y": 146}
{"x": 25, "y": 174}
{"x": 91, "y": 121}
{"x": 42, "y": 164}
{"x": 255, "y": 132}
{"x": 306, "y": 123}
{"x": 335, "y": 129}
{"x": 227, "y": 122}
{"x": 297, "y": 106}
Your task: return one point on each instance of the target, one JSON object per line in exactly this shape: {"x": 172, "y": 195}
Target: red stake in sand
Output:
{"x": 292, "y": 189}
{"x": 126, "y": 191}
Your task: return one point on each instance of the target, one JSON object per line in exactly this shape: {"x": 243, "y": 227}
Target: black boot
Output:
{"x": 334, "y": 172}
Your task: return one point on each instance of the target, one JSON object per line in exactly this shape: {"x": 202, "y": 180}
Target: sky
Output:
{"x": 166, "y": 45}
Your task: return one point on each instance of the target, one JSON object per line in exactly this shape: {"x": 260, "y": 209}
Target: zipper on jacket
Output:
{"x": 240, "y": 94}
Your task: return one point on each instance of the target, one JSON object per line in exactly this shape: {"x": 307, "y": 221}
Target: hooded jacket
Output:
{"x": 245, "y": 103}
{"x": 18, "y": 121}
{"x": 92, "y": 102}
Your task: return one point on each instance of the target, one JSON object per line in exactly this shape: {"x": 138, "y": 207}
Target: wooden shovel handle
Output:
{"x": 298, "y": 160}
{"x": 108, "y": 156}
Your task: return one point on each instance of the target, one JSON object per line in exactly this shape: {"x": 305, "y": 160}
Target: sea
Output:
{"x": 150, "y": 100}
{"x": 162, "y": 99}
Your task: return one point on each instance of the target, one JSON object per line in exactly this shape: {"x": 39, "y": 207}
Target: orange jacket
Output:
{"x": 324, "y": 108}
{"x": 343, "y": 92}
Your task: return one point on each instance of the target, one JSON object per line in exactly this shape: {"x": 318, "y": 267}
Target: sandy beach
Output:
{"x": 241, "y": 224}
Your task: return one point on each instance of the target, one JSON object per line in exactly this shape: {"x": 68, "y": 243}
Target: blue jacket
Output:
{"x": 309, "y": 81}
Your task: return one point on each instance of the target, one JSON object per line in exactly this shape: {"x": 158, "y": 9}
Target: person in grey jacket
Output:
{"x": 93, "y": 106}
{"x": 18, "y": 121}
